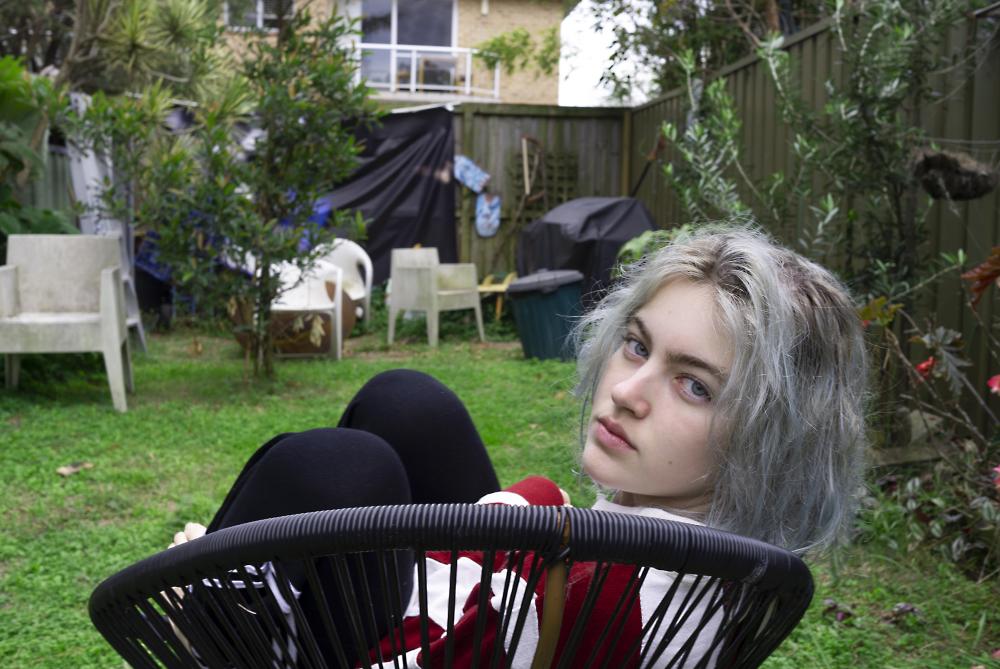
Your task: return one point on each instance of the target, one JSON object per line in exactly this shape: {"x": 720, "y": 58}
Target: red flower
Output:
{"x": 924, "y": 368}
{"x": 994, "y": 384}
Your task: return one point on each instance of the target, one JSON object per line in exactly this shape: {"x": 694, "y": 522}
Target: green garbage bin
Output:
{"x": 545, "y": 306}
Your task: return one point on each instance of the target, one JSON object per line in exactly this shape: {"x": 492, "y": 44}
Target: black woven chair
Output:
{"x": 227, "y": 599}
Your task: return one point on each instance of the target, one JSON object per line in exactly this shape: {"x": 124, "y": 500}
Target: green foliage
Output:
{"x": 25, "y": 102}
{"x": 193, "y": 423}
{"x": 207, "y": 205}
{"x": 122, "y": 45}
{"x": 517, "y": 50}
{"x": 638, "y": 247}
{"x": 954, "y": 506}
{"x": 709, "y": 150}
{"x": 653, "y": 37}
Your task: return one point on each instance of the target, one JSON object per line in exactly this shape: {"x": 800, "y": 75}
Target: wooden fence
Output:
{"x": 966, "y": 117}
{"x": 602, "y": 151}
{"x": 584, "y": 156}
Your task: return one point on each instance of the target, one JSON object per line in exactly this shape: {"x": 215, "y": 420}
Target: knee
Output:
{"x": 346, "y": 467}
{"x": 402, "y": 387}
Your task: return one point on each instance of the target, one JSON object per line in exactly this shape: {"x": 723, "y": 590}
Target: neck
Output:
{"x": 696, "y": 509}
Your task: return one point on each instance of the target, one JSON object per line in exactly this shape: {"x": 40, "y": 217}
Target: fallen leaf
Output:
{"x": 833, "y": 608}
{"x": 73, "y": 468}
{"x": 901, "y": 611}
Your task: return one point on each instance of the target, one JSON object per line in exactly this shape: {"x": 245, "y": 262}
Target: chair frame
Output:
{"x": 345, "y": 251}
{"x": 766, "y": 589}
{"x": 439, "y": 287}
{"x": 312, "y": 287}
{"x": 41, "y": 327}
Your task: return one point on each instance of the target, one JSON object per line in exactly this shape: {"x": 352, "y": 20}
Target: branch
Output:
{"x": 747, "y": 30}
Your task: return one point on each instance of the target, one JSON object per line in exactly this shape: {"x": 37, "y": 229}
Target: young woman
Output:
{"x": 725, "y": 378}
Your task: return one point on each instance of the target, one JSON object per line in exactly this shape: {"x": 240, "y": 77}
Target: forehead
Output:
{"x": 682, "y": 318}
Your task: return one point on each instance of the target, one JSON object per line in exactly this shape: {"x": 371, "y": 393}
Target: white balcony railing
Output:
{"x": 440, "y": 70}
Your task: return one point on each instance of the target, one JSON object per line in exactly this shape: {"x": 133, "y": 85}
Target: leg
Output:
{"x": 433, "y": 321}
{"x": 479, "y": 321}
{"x": 430, "y": 430}
{"x": 314, "y": 471}
{"x": 392, "y": 323}
{"x": 12, "y": 363}
{"x": 127, "y": 365}
{"x": 318, "y": 470}
{"x": 116, "y": 376}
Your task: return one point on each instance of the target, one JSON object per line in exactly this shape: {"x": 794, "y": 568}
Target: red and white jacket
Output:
{"x": 540, "y": 491}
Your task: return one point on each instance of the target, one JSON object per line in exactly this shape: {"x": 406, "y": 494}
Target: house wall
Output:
{"x": 535, "y": 16}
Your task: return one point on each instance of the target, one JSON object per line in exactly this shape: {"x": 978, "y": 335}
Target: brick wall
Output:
{"x": 535, "y": 16}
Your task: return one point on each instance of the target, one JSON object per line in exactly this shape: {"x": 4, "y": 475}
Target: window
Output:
{"x": 399, "y": 24}
{"x": 260, "y": 14}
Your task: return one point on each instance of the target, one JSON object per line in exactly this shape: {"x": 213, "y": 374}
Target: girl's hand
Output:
{"x": 191, "y": 532}
{"x": 566, "y": 499}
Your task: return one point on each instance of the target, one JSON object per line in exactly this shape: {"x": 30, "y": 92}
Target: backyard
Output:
{"x": 269, "y": 187}
{"x": 193, "y": 422}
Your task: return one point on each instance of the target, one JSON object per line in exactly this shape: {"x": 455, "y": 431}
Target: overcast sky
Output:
{"x": 585, "y": 56}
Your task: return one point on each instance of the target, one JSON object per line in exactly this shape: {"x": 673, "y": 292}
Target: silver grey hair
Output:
{"x": 789, "y": 430}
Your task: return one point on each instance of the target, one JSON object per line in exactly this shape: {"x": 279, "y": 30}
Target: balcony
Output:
{"x": 428, "y": 73}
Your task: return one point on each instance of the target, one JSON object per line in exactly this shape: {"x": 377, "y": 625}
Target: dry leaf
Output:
{"x": 73, "y": 468}
{"x": 983, "y": 275}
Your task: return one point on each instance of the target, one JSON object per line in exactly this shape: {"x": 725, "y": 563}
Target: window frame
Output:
{"x": 259, "y": 17}
{"x": 357, "y": 7}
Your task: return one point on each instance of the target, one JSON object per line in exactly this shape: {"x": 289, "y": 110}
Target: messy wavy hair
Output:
{"x": 788, "y": 430}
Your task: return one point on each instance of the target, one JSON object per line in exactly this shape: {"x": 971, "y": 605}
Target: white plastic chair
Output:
{"x": 308, "y": 295}
{"x": 357, "y": 269}
{"x": 421, "y": 283}
{"x": 64, "y": 294}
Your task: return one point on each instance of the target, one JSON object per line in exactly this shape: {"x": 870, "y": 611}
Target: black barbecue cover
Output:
{"x": 583, "y": 234}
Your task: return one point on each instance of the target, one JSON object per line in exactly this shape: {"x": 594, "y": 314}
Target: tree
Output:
{"x": 25, "y": 104}
{"x": 651, "y": 37}
{"x": 224, "y": 223}
{"x": 115, "y": 45}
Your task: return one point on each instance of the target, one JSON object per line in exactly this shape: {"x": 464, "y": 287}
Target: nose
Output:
{"x": 632, "y": 393}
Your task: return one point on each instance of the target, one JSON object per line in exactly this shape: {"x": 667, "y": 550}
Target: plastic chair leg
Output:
{"x": 12, "y": 370}
{"x": 113, "y": 358}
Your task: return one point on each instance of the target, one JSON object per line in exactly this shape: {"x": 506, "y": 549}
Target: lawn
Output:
{"x": 194, "y": 421}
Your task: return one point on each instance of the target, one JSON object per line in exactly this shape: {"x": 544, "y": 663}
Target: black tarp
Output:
{"x": 583, "y": 234}
{"x": 403, "y": 186}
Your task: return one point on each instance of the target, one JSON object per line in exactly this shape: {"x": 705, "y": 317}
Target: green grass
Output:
{"x": 193, "y": 422}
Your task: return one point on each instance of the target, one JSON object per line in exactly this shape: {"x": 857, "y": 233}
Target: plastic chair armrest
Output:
{"x": 9, "y": 304}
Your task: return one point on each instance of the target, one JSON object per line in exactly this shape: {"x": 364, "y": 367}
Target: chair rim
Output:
{"x": 654, "y": 542}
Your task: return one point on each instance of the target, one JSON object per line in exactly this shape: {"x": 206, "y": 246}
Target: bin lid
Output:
{"x": 545, "y": 281}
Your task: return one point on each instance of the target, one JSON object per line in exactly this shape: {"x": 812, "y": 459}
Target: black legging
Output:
{"x": 404, "y": 438}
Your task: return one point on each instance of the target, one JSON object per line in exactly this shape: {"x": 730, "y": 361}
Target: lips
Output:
{"x": 611, "y": 435}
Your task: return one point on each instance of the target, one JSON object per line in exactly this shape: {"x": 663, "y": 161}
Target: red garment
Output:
{"x": 540, "y": 491}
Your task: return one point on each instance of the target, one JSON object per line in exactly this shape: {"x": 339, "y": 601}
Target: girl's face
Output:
{"x": 648, "y": 431}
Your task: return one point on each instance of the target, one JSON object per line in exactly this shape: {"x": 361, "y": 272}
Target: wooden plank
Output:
{"x": 550, "y": 111}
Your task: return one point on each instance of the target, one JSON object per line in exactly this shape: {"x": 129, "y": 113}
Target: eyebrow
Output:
{"x": 681, "y": 358}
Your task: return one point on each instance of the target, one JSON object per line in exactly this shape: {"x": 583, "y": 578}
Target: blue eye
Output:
{"x": 635, "y": 347}
{"x": 696, "y": 388}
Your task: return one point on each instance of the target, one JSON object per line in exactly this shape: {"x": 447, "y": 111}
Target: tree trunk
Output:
{"x": 772, "y": 17}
